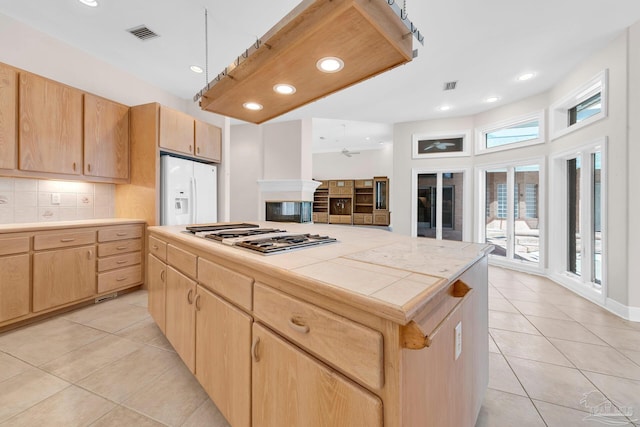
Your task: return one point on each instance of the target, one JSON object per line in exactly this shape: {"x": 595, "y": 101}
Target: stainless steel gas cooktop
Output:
{"x": 262, "y": 240}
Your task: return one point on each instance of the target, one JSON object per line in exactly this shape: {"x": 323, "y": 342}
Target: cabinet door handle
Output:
{"x": 67, "y": 240}
{"x": 89, "y": 167}
{"x": 197, "y": 302}
{"x": 190, "y": 149}
{"x": 298, "y": 325}
{"x": 254, "y": 349}
{"x": 74, "y": 166}
{"x": 89, "y": 254}
{"x": 162, "y": 273}
{"x": 189, "y": 296}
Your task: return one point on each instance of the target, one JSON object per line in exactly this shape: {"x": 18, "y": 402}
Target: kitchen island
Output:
{"x": 374, "y": 329}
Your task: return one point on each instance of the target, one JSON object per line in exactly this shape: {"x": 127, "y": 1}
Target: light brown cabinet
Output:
{"x": 106, "y": 138}
{"x": 15, "y": 277}
{"x": 208, "y": 141}
{"x": 8, "y": 117}
{"x": 357, "y": 202}
{"x": 50, "y": 126}
{"x": 176, "y": 131}
{"x": 63, "y": 276}
{"x": 290, "y": 388}
{"x": 180, "y": 320}
{"x": 120, "y": 257}
{"x": 223, "y": 361}
{"x": 157, "y": 288}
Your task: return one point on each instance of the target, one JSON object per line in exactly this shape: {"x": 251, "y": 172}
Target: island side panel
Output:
{"x": 439, "y": 390}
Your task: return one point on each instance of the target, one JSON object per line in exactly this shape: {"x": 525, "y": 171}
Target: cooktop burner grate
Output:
{"x": 285, "y": 243}
{"x": 231, "y": 234}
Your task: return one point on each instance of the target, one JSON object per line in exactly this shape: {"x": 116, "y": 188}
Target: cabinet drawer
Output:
{"x": 119, "y": 261}
{"x": 14, "y": 245}
{"x": 119, "y": 247}
{"x": 158, "y": 248}
{"x": 63, "y": 240}
{"x": 334, "y": 339}
{"x": 120, "y": 233}
{"x": 182, "y": 260}
{"x": 233, "y": 286}
{"x": 120, "y": 278}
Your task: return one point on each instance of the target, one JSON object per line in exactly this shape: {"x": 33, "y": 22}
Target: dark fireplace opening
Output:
{"x": 289, "y": 211}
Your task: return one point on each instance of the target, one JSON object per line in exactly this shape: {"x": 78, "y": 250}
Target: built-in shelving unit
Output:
{"x": 357, "y": 202}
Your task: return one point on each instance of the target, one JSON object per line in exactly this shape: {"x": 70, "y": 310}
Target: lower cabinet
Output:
{"x": 157, "y": 288}
{"x": 63, "y": 276}
{"x": 290, "y": 388}
{"x": 180, "y": 326}
{"x": 223, "y": 358}
{"x": 14, "y": 286}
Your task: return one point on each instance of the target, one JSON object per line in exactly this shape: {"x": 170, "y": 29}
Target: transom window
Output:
{"x": 516, "y": 132}
{"x": 513, "y": 134}
{"x": 585, "y": 109}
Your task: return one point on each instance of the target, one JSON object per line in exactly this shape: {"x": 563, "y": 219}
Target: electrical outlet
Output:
{"x": 458, "y": 339}
{"x": 55, "y": 198}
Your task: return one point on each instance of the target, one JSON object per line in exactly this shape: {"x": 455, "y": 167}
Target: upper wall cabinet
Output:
{"x": 50, "y": 132}
{"x": 106, "y": 138}
{"x": 208, "y": 141}
{"x": 8, "y": 123}
{"x": 176, "y": 131}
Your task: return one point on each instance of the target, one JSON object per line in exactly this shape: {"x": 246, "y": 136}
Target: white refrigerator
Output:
{"x": 188, "y": 192}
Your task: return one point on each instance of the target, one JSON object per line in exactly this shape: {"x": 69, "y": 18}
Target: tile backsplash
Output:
{"x": 37, "y": 200}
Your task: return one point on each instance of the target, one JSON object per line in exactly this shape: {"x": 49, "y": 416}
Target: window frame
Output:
{"x": 481, "y": 132}
{"x": 466, "y": 145}
{"x": 559, "y": 111}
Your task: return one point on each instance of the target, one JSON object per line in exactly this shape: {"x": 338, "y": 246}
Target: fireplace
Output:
{"x": 288, "y": 211}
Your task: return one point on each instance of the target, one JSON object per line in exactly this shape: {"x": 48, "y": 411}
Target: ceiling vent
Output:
{"x": 142, "y": 32}
{"x": 450, "y": 85}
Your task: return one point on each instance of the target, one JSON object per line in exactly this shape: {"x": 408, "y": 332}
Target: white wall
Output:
{"x": 622, "y": 59}
{"x": 367, "y": 164}
{"x": 247, "y": 159}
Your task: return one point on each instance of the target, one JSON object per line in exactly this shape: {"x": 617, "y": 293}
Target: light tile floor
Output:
{"x": 554, "y": 359}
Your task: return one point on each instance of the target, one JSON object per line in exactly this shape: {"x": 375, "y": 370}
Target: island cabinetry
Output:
{"x": 157, "y": 280}
{"x": 223, "y": 360}
{"x": 106, "y": 138}
{"x": 14, "y": 277}
{"x": 180, "y": 315}
{"x": 290, "y": 388}
{"x": 50, "y": 132}
{"x": 8, "y": 116}
{"x": 64, "y": 268}
{"x": 120, "y": 257}
{"x": 334, "y": 339}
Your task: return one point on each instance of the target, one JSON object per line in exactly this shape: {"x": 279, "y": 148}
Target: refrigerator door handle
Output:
{"x": 194, "y": 198}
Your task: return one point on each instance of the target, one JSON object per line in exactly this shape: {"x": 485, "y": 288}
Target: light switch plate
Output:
{"x": 458, "y": 339}
{"x": 55, "y": 198}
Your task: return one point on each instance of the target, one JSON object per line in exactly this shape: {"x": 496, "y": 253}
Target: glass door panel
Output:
{"x": 526, "y": 202}
{"x": 496, "y": 210}
{"x": 573, "y": 217}
{"x": 596, "y": 230}
{"x": 427, "y": 184}
{"x": 440, "y": 205}
{"x": 452, "y": 205}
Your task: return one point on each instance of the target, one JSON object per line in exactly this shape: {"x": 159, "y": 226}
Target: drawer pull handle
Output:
{"x": 120, "y": 279}
{"x": 190, "y": 296}
{"x": 197, "y": 302}
{"x": 121, "y": 261}
{"x": 67, "y": 240}
{"x": 121, "y": 247}
{"x": 162, "y": 273}
{"x": 412, "y": 336}
{"x": 298, "y": 325}
{"x": 121, "y": 234}
{"x": 155, "y": 247}
{"x": 254, "y": 349}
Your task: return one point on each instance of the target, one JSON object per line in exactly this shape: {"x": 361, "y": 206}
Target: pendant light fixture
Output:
{"x": 320, "y": 47}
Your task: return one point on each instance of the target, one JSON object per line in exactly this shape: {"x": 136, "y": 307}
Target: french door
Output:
{"x": 511, "y": 212}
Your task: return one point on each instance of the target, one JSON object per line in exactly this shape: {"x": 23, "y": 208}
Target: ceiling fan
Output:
{"x": 349, "y": 153}
{"x": 439, "y": 146}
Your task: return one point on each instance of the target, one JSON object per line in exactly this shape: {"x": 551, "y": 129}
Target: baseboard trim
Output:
{"x": 624, "y": 311}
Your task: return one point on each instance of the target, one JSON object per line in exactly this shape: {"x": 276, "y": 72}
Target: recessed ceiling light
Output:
{"x": 284, "y": 89}
{"x": 491, "y": 99}
{"x": 252, "y": 106}
{"x": 368, "y": 138}
{"x": 196, "y": 69}
{"x": 330, "y": 64}
{"x": 526, "y": 76}
{"x": 91, "y": 3}
{"x": 444, "y": 108}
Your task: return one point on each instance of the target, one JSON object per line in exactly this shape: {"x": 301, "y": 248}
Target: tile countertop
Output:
{"x": 385, "y": 273}
{"x": 55, "y": 225}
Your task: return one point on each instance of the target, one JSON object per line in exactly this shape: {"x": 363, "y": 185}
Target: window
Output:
{"x": 513, "y": 133}
{"x": 583, "y": 106}
{"x": 585, "y": 109}
{"x": 531, "y": 200}
{"x": 502, "y": 201}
